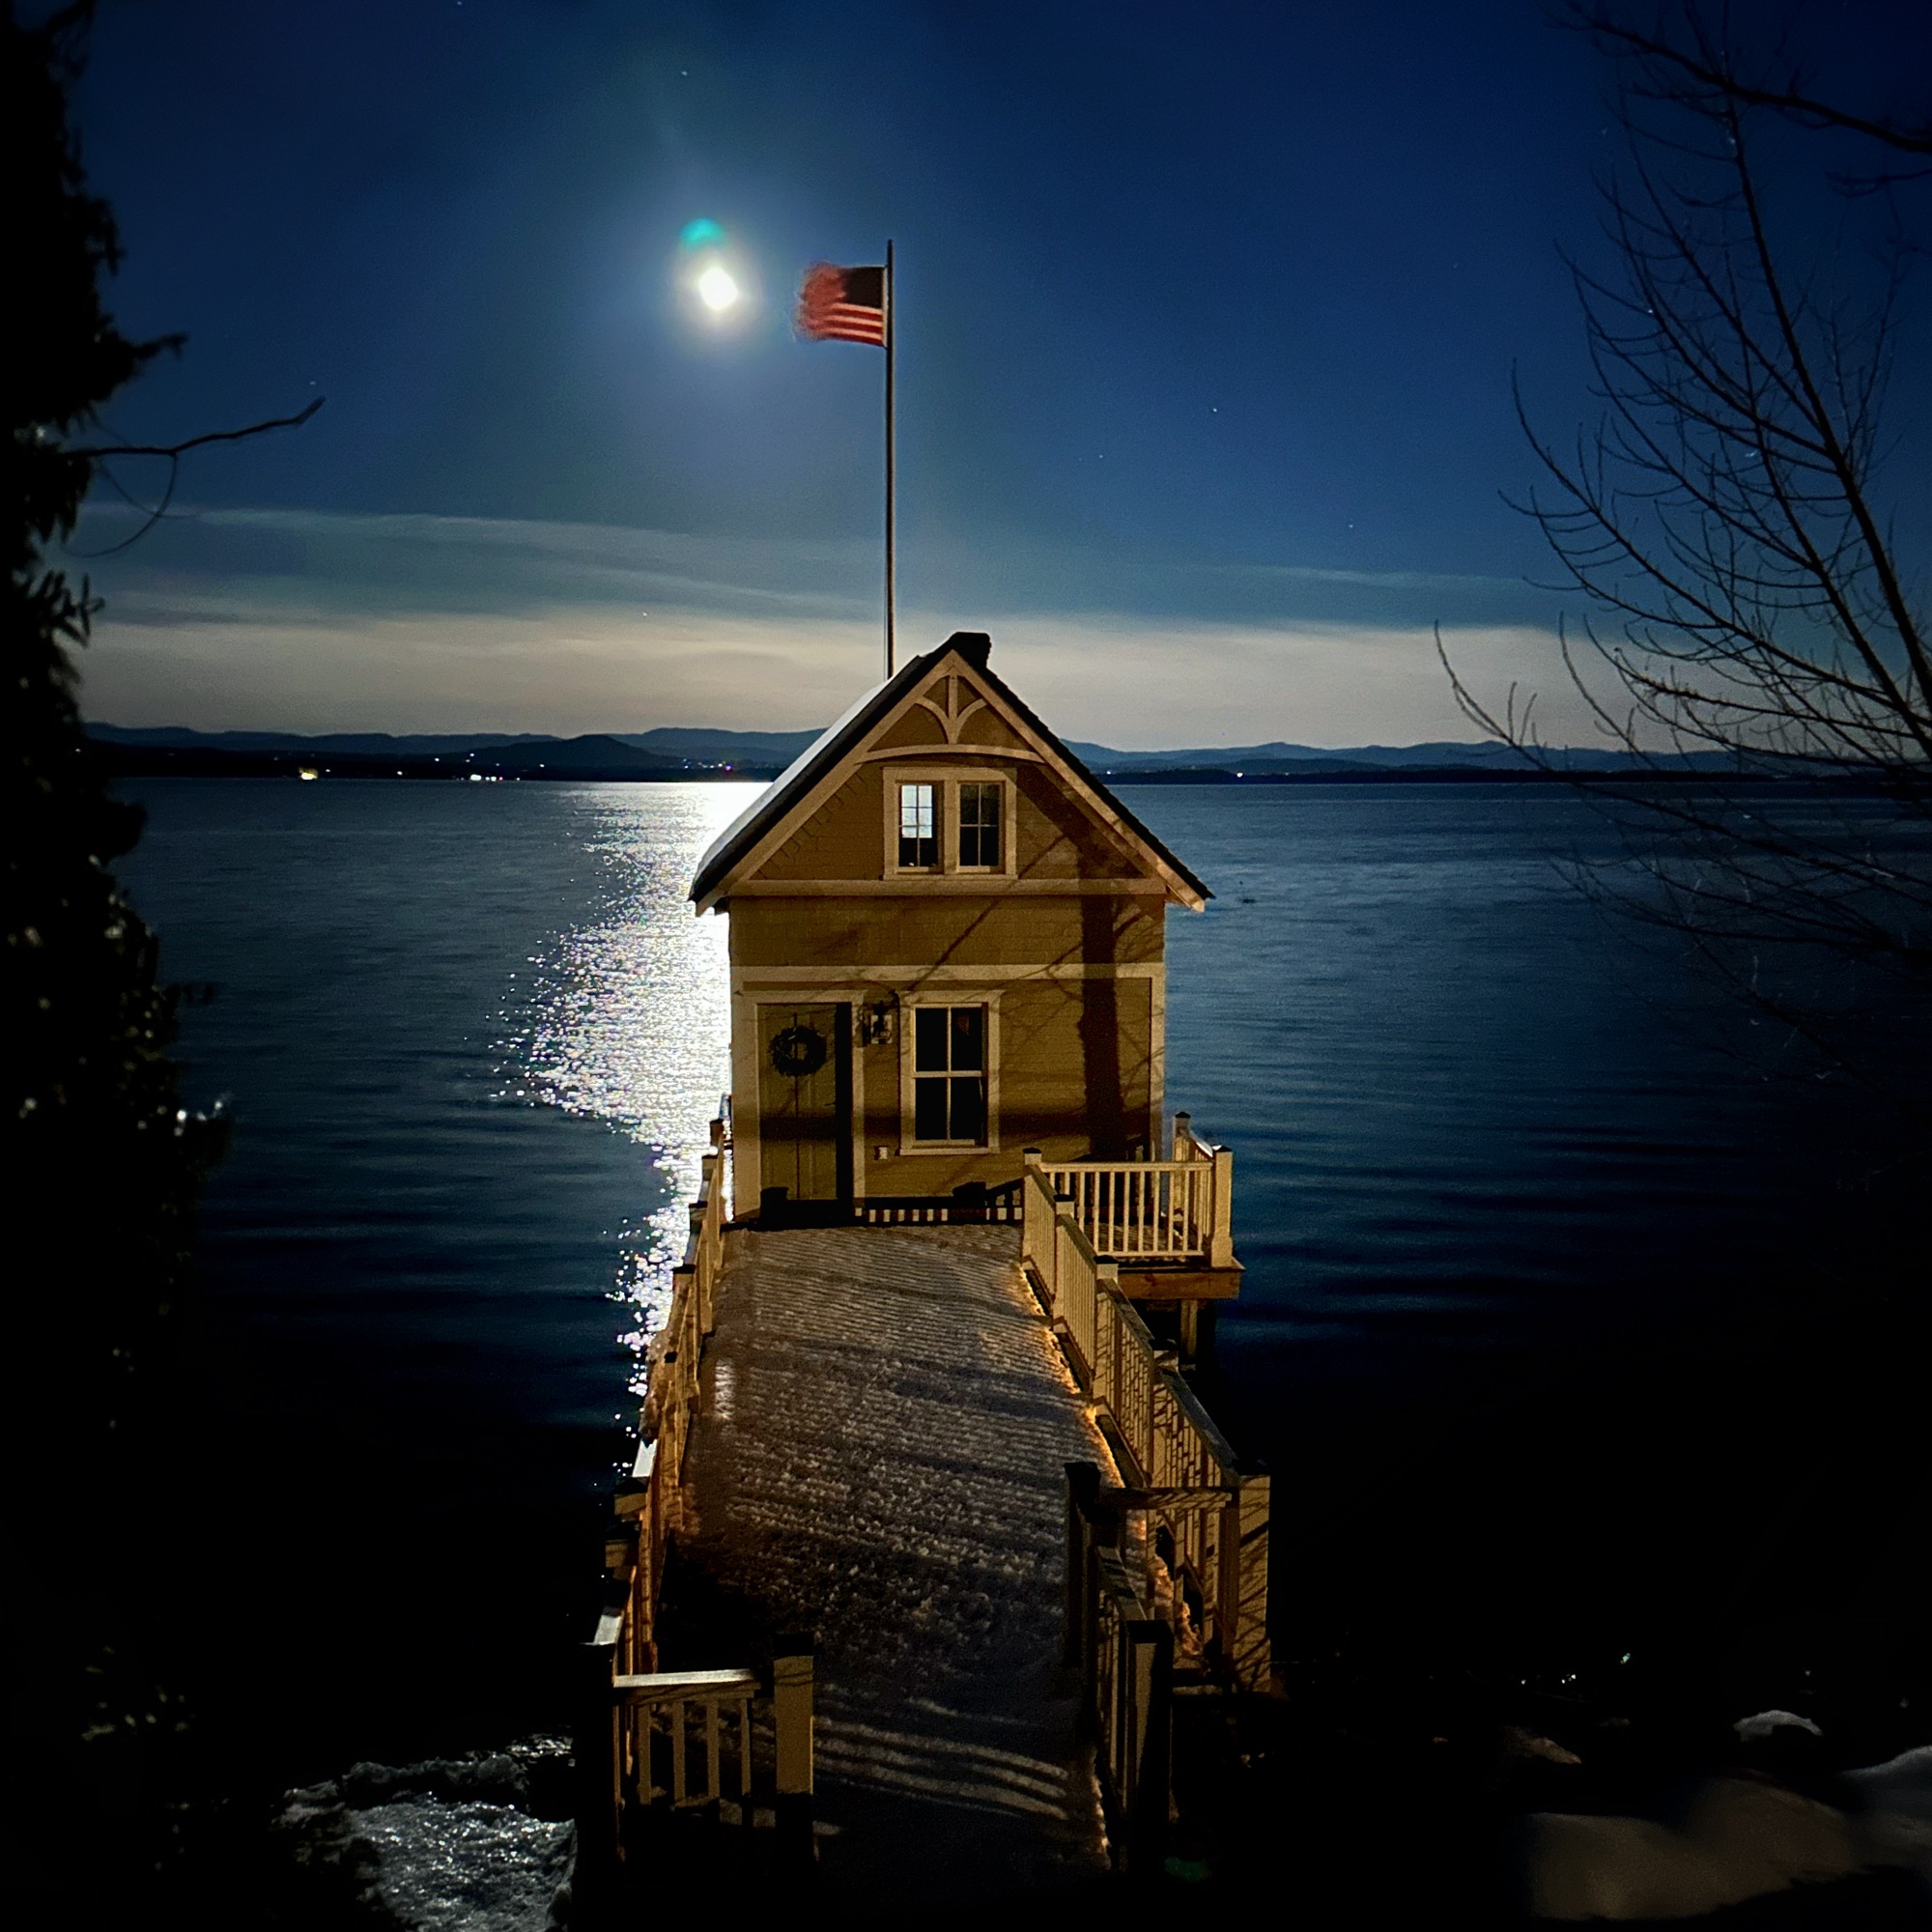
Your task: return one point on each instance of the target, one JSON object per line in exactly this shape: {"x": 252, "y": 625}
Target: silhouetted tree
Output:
{"x": 102, "y": 1161}
{"x": 1728, "y": 519}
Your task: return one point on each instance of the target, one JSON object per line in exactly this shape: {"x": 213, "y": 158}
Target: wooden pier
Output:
{"x": 953, "y": 1462}
{"x": 930, "y": 1543}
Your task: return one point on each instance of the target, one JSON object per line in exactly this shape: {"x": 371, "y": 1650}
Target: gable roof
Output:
{"x": 821, "y": 760}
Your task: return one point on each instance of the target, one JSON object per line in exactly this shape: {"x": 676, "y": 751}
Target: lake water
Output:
{"x": 470, "y": 1036}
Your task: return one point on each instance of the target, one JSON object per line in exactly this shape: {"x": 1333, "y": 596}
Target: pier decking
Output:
{"x": 885, "y": 1421}
{"x": 952, "y": 1458}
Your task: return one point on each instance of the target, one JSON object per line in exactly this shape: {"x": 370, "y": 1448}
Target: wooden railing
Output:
{"x": 678, "y": 1731}
{"x": 1203, "y": 1514}
{"x": 731, "y": 1745}
{"x": 1125, "y": 1657}
{"x": 1161, "y": 1211}
{"x": 649, "y": 1501}
{"x": 653, "y": 1740}
{"x": 969, "y": 1206}
{"x": 654, "y": 1714}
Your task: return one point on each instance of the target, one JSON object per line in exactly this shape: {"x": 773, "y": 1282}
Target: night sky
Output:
{"x": 1207, "y": 316}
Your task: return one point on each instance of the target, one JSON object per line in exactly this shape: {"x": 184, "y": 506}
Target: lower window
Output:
{"x": 948, "y": 1076}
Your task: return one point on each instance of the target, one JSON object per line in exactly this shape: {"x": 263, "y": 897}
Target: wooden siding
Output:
{"x": 843, "y": 840}
{"x": 1058, "y": 839}
{"x": 905, "y": 933}
{"x": 1077, "y": 1074}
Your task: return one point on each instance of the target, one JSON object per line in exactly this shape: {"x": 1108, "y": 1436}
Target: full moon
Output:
{"x": 716, "y": 289}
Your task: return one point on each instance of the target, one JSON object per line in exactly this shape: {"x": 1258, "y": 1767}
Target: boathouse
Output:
{"x": 948, "y": 946}
{"x": 930, "y": 1546}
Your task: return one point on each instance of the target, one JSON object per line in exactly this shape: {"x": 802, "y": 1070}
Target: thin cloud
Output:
{"x": 1375, "y": 580}
{"x": 306, "y": 621}
{"x": 1125, "y": 682}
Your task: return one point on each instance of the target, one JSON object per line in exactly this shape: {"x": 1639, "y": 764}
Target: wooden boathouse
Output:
{"x": 930, "y": 1546}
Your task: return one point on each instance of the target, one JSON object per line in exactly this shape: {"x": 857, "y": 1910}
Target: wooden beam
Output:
{"x": 661, "y": 1687}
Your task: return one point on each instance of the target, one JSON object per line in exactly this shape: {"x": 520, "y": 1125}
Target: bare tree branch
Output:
{"x": 173, "y": 452}
{"x": 1703, "y": 65}
{"x": 1725, "y": 522}
{"x": 180, "y": 450}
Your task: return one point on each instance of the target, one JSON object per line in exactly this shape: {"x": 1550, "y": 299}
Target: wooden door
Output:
{"x": 805, "y": 1100}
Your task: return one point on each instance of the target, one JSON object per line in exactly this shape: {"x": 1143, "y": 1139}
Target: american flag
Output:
{"x": 844, "y": 304}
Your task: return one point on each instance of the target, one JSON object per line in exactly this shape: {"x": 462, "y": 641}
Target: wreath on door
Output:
{"x": 799, "y": 1052}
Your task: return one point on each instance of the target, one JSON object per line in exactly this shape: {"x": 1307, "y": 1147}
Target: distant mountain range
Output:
{"x": 1281, "y": 760}
{"x": 673, "y": 753}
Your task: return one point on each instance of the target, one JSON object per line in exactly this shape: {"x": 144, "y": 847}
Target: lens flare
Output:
{"x": 703, "y": 233}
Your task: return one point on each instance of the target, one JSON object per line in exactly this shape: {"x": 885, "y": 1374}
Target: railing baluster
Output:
{"x": 1170, "y": 1209}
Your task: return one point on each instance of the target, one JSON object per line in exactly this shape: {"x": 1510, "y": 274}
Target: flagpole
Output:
{"x": 892, "y": 330}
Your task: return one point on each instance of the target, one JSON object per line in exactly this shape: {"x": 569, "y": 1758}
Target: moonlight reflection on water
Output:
{"x": 628, "y": 1019}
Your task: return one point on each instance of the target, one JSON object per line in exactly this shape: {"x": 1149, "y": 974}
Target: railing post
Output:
{"x": 599, "y": 1802}
{"x": 1035, "y": 1240}
{"x": 791, "y": 1717}
{"x": 1151, "y": 1671}
{"x": 705, "y": 1213}
{"x": 687, "y": 1299}
{"x": 1083, "y": 1494}
{"x": 1221, "y": 1235}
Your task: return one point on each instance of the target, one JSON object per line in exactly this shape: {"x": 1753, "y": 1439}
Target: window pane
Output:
{"x": 918, "y": 826}
{"x": 929, "y": 1039}
{"x": 928, "y": 1110}
{"x": 969, "y": 1038}
{"x": 969, "y": 1108}
{"x": 949, "y": 1077}
{"x": 916, "y": 814}
{"x": 979, "y": 824}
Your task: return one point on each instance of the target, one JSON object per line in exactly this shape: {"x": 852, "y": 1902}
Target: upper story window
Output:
{"x": 980, "y": 806}
{"x": 943, "y": 822}
{"x": 919, "y": 827}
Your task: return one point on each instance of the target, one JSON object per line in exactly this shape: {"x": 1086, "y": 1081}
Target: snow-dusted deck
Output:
{"x": 878, "y": 1458}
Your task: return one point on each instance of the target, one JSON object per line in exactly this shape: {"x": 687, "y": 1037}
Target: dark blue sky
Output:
{"x": 1207, "y": 319}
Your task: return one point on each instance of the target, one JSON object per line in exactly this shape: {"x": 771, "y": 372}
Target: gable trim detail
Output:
{"x": 773, "y": 819}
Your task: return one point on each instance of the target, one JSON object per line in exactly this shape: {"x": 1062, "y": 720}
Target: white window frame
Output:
{"x": 945, "y": 781}
{"x": 946, "y": 997}
{"x": 896, "y": 830}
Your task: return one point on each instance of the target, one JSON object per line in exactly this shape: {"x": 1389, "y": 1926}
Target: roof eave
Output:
{"x": 711, "y": 881}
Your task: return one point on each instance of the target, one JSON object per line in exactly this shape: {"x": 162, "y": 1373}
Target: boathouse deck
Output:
{"x": 884, "y": 1426}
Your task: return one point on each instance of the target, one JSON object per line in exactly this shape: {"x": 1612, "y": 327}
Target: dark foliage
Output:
{"x": 101, "y": 1159}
